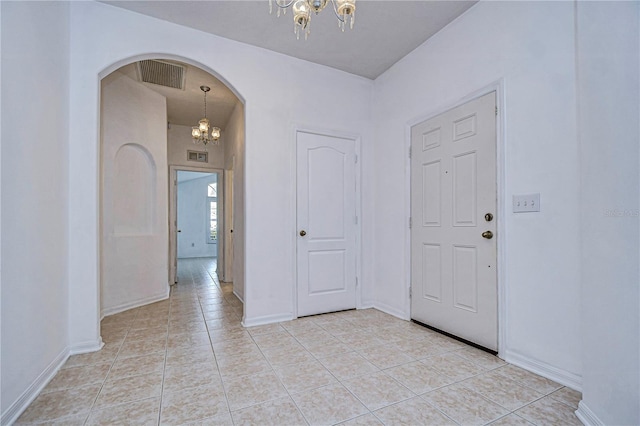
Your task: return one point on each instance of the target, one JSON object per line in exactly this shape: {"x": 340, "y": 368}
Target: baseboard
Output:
{"x": 267, "y": 319}
{"x": 366, "y": 305}
{"x": 17, "y": 408}
{"x": 135, "y": 304}
{"x": 390, "y": 310}
{"x": 238, "y": 296}
{"x": 86, "y": 347}
{"x": 586, "y": 416}
{"x": 566, "y": 378}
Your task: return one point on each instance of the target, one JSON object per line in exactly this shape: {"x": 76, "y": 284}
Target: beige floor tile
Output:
{"x": 328, "y": 350}
{"x": 414, "y": 411}
{"x": 287, "y": 355}
{"x": 193, "y": 354}
{"x": 242, "y": 358}
{"x": 147, "y": 333}
{"x": 511, "y": 420}
{"x": 346, "y": 366}
{"x": 125, "y": 367}
{"x": 265, "y": 329}
{"x": 222, "y": 334}
{"x": 453, "y": 366}
{"x": 74, "y": 377}
{"x": 187, "y": 340}
{"x": 144, "y": 412}
{"x": 77, "y": 420}
{"x": 220, "y": 420}
{"x": 377, "y": 390}
{"x": 567, "y": 396}
{"x": 188, "y": 327}
{"x": 64, "y": 403}
{"x": 529, "y": 379}
{"x": 481, "y": 358}
{"x": 250, "y": 390}
{"x": 304, "y": 376}
{"x": 328, "y": 405}
{"x": 142, "y": 347}
{"x": 276, "y": 340}
{"x": 364, "y": 420}
{"x": 106, "y": 355}
{"x": 384, "y": 356}
{"x": 129, "y": 389}
{"x": 501, "y": 390}
{"x": 253, "y": 366}
{"x": 193, "y": 404}
{"x": 464, "y": 406}
{"x": 276, "y": 413}
{"x": 548, "y": 411}
{"x": 185, "y": 376}
{"x": 418, "y": 377}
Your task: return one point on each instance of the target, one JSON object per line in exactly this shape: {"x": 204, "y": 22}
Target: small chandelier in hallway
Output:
{"x": 344, "y": 10}
{"x": 200, "y": 133}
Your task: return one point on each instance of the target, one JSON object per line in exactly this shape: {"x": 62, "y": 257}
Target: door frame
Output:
{"x": 294, "y": 211}
{"x": 501, "y": 207}
{"x": 173, "y": 215}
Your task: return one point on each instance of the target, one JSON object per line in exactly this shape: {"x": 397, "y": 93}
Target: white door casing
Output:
{"x": 326, "y": 223}
{"x": 453, "y": 187}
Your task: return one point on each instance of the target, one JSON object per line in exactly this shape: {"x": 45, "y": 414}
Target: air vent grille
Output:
{"x": 162, "y": 73}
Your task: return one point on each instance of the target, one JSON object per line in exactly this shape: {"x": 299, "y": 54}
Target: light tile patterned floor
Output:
{"x": 188, "y": 360}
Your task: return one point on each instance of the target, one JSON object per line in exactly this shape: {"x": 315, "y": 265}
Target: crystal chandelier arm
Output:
{"x": 335, "y": 11}
{"x": 282, "y": 6}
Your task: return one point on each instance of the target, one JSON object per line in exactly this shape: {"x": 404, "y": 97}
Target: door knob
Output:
{"x": 179, "y": 230}
{"x": 487, "y": 234}
{"x": 303, "y": 233}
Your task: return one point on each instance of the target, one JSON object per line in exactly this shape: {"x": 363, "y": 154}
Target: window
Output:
{"x": 212, "y": 213}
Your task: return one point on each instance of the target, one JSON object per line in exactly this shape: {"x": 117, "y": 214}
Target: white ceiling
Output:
{"x": 384, "y": 31}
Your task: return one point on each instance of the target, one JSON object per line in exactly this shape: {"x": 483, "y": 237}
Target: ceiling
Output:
{"x": 186, "y": 107}
{"x": 384, "y": 31}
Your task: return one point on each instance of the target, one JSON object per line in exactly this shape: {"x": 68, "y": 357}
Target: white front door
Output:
{"x": 326, "y": 219}
{"x": 453, "y": 208}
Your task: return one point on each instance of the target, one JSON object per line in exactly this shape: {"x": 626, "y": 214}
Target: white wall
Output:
{"x": 609, "y": 98}
{"x": 180, "y": 141}
{"x": 135, "y": 205}
{"x": 193, "y": 218}
{"x": 530, "y": 47}
{"x": 278, "y": 95}
{"x": 234, "y": 160}
{"x": 35, "y": 95}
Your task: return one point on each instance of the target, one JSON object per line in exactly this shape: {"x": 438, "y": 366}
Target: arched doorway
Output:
{"x": 151, "y": 113}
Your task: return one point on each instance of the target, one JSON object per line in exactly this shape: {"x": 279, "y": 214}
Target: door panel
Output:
{"x": 453, "y": 186}
{"x": 326, "y": 256}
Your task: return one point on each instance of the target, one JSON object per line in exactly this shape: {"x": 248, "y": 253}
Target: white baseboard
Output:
{"x": 566, "y": 378}
{"x": 17, "y": 408}
{"x": 267, "y": 319}
{"x": 135, "y": 304}
{"x": 586, "y": 416}
{"x": 390, "y": 310}
{"x": 86, "y": 347}
{"x": 367, "y": 304}
{"x": 238, "y": 296}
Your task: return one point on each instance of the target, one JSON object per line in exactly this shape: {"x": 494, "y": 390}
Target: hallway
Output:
{"x": 188, "y": 360}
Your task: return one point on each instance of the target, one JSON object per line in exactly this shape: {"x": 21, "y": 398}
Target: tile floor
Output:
{"x": 187, "y": 360}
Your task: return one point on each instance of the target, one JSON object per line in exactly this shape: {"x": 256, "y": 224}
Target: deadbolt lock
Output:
{"x": 488, "y": 217}
{"x": 303, "y": 233}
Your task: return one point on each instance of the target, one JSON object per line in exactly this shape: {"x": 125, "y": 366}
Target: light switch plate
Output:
{"x": 526, "y": 203}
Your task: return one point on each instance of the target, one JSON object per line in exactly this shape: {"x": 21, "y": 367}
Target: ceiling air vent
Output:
{"x": 162, "y": 73}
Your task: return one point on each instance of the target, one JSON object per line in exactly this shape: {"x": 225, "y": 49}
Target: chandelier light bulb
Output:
{"x": 200, "y": 133}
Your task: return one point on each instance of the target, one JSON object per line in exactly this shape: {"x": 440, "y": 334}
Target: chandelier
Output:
{"x": 344, "y": 10}
{"x": 200, "y": 133}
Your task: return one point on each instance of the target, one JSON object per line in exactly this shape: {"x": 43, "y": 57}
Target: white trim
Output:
{"x": 17, "y": 408}
{"x": 497, "y": 86}
{"x": 267, "y": 319}
{"x": 390, "y": 310}
{"x": 356, "y": 138}
{"x": 235, "y": 293}
{"x": 367, "y": 304}
{"x": 86, "y": 347}
{"x": 566, "y": 378}
{"x": 586, "y": 416}
{"x": 135, "y": 304}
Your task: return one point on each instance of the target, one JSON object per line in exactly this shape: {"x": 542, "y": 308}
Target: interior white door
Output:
{"x": 326, "y": 218}
{"x": 453, "y": 208}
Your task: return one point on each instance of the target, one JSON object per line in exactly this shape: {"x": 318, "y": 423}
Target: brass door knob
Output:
{"x": 303, "y": 233}
{"x": 487, "y": 234}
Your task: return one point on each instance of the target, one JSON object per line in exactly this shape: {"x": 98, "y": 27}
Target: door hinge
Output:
{"x": 356, "y": 158}
{"x": 356, "y": 220}
{"x": 409, "y": 152}
{"x": 410, "y": 292}
{"x": 496, "y": 111}
{"x": 410, "y": 222}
